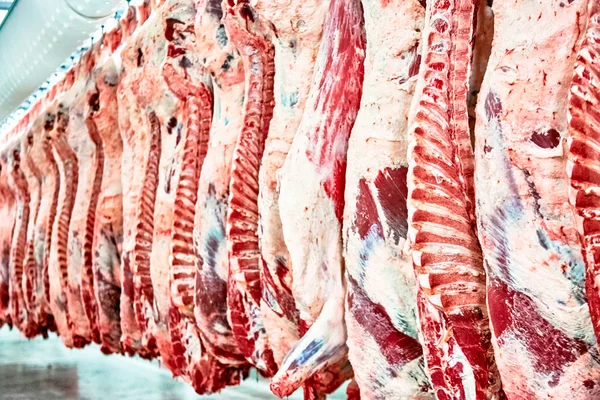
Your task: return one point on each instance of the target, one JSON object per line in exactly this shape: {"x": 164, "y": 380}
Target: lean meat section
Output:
{"x": 582, "y": 141}
{"x": 248, "y": 34}
{"x": 299, "y": 28}
{"x": 107, "y": 235}
{"x": 133, "y": 340}
{"x": 212, "y": 259}
{"x": 445, "y": 250}
{"x": 381, "y": 288}
{"x": 311, "y": 200}
{"x": 33, "y": 287}
{"x": 541, "y": 329}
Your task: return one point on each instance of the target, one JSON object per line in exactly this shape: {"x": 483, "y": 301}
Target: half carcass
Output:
{"x": 212, "y": 261}
{"x": 299, "y": 27}
{"x": 541, "y": 330}
{"x": 311, "y": 200}
{"x": 190, "y": 84}
{"x": 445, "y": 250}
{"x": 20, "y": 315}
{"x": 133, "y": 341}
{"x": 107, "y": 236}
{"x": 248, "y": 33}
{"x": 381, "y": 288}
{"x": 82, "y": 154}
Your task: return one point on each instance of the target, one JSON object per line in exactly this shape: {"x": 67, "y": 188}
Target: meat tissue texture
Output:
{"x": 311, "y": 200}
{"x": 247, "y": 33}
{"x": 380, "y": 299}
{"x": 103, "y": 303}
{"x": 291, "y": 187}
{"x": 541, "y": 329}
{"x": 225, "y": 66}
{"x": 295, "y": 53}
{"x": 445, "y": 249}
{"x": 582, "y": 155}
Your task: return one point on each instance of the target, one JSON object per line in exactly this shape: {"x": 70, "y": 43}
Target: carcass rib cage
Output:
{"x": 307, "y": 188}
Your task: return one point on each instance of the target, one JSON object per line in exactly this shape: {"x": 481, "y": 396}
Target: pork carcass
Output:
{"x": 107, "y": 236}
{"x": 132, "y": 339}
{"x": 82, "y": 154}
{"x": 381, "y": 288}
{"x": 445, "y": 249}
{"x": 34, "y": 289}
{"x": 311, "y": 200}
{"x": 541, "y": 329}
{"x": 189, "y": 81}
{"x": 582, "y": 154}
{"x": 248, "y": 33}
{"x": 20, "y": 315}
{"x": 212, "y": 261}
{"x": 299, "y": 27}
{"x": 7, "y": 213}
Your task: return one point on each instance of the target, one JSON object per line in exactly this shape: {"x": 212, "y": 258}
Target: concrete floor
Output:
{"x": 46, "y": 370}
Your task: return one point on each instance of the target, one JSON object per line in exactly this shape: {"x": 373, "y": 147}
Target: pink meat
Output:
{"x": 103, "y": 303}
{"x": 582, "y": 139}
{"x": 445, "y": 249}
{"x": 299, "y": 27}
{"x": 381, "y": 288}
{"x": 311, "y": 199}
{"x": 20, "y": 315}
{"x": 541, "y": 329}
{"x": 32, "y": 154}
{"x": 189, "y": 83}
{"x": 7, "y": 214}
{"x": 212, "y": 261}
{"x": 81, "y": 226}
{"x": 132, "y": 339}
{"x": 48, "y": 210}
{"x": 244, "y": 292}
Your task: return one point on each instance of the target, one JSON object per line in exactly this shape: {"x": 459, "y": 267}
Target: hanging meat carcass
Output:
{"x": 445, "y": 250}
{"x": 311, "y": 199}
{"x": 104, "y": 256}
{"x": 541, "y": 329}
{"x": 381, "y": 289}
{"x": 212, "y": 259}
{"x": 248, "y": 35}
{"x": 132, "y": 339}
{"x": 299, "y": 27}
{"x": 190, "y": 83}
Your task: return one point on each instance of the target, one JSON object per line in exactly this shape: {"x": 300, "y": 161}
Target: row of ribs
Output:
{"x": 400, "y": 193}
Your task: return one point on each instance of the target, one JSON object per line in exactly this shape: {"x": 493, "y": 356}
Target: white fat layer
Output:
{"x": 530, "y": 243}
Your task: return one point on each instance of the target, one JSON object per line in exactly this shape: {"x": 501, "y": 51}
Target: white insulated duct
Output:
{"x": 38, "y": 36}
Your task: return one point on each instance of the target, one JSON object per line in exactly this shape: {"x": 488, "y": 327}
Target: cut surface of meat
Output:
{"x": 107, "y": 236}
{"x": 133, "y": 340}
{"x": 582, "y": 139}
{"x": 212, "y": 261}
{"x": 82, "y": 155}
{"x": 247, "y": 33}
{"x": 295, "y": 54}
{"x": 445, "y": 250}
{"x": 381, "y": 288}
{"x": 33, "y": 285}
{"x": 20, "y": 316}
{"x": 311, "y": 200}
{"x": 189, "y": 83}
{"x": 541, "y": 329}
